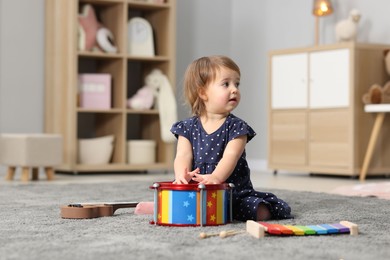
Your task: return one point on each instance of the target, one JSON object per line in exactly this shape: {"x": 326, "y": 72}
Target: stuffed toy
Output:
{"x": 346, "y": 30}
{"x": 143, "y": 99}
{"x": 387, "y": 60}
{"x": 158, "y": 92}
{"x": 165, "y": 103}
{"x": 92, "y": 34}
{"x": 377, "y": 94}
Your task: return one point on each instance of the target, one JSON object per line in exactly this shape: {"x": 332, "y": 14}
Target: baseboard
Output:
{"x": 257, "y": 164}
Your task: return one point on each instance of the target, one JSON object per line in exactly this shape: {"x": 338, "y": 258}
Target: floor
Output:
{"x": 263, "y": 179}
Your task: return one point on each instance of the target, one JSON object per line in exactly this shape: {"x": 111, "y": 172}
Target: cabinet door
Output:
{"x": 289, "y": 74}
{"x": 288, "y": 138}
{"x": 329, "y": 79}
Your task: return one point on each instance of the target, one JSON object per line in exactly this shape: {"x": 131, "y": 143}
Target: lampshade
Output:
{"x": 322, "y": 7}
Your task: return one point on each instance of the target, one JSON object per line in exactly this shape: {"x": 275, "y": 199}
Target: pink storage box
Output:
{"x": 95, "y": 90}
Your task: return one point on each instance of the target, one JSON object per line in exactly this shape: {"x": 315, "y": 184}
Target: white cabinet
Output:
{"x": 318, "y": 79}
{"x": 316, "y": 118}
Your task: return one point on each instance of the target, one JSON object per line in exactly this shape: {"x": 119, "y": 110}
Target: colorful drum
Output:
{"x": 192, "y": 204}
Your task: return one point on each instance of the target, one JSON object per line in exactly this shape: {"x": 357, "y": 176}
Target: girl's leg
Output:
{"x": 263, "y": 213}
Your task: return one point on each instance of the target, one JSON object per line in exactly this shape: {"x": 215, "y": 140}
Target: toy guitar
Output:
{"x": 93, "y": 210}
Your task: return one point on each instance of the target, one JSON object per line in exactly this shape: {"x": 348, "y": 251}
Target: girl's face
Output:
{"x": 222, "y": 95}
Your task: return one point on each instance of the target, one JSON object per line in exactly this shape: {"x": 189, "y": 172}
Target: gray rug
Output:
{"x": 31, "y": 228}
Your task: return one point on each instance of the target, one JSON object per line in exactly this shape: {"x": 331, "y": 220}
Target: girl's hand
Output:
{"x": 206, "y": 178}
{"x": 186, "y": 176}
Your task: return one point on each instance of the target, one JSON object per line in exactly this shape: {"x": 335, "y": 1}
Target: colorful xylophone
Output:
{"x": 258, "y": 229}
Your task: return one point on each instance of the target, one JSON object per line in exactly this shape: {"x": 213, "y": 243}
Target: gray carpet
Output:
{"x": 31, "y": 228}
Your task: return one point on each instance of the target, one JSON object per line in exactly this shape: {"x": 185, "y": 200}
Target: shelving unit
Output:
{"x": 317, "y": 122}
{"x": 64, "y": 62}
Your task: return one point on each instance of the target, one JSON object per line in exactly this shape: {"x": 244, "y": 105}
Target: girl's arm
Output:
{"x": 183, "y": 161}
{"x": 226, "y": 165}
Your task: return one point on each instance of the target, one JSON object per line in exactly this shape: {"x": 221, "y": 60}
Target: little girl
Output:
{"x": 211, "y": 143}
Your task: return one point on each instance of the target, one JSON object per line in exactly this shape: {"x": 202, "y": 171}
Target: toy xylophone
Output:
{"x": 258, "y": 229}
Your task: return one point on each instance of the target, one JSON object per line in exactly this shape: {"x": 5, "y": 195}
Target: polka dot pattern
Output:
{"x": 207, "y": 152}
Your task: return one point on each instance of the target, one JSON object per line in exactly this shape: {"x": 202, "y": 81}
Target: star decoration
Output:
{"x": 89, "y": 26}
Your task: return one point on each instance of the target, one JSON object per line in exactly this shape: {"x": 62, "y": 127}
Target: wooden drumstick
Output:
{"x": 229, "y": 233}
{"x": 205, "y": 235}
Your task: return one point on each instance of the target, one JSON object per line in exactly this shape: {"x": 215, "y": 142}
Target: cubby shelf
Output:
{"x": 64, "y": 62}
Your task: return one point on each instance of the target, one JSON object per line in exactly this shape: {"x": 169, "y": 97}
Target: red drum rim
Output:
{"x": 191, "y": 186}
{"x": 186, "y": 225}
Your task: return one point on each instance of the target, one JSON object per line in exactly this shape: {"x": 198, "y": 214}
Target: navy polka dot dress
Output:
{"x": 207, "y": 152}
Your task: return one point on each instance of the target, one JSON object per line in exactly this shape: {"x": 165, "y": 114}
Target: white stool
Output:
{"x": 30, "y": 151}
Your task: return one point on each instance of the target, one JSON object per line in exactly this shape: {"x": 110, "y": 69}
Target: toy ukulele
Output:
{"x": 93, "y": 210}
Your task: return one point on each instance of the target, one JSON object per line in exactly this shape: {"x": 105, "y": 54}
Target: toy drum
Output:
{"x": 192, "y": 204}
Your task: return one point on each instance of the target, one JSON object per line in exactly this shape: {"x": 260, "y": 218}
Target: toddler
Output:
{"x": 211, "y": 143}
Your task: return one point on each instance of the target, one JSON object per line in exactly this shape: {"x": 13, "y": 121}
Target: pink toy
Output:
{"x": 89, "y": 26}
{"x": 93, "y": 34}
{"x": 144, "y": 208}
{"x": 158, "y": 86}
{"x": 143, "y": 99}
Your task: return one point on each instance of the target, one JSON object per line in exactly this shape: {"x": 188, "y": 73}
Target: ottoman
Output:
{"x": 29, "y": 152}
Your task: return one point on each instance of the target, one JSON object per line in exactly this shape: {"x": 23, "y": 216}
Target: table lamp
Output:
{"x": 321, "y": 8}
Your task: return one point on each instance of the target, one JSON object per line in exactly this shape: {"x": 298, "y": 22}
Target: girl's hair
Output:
{"x": 199, "y": 74}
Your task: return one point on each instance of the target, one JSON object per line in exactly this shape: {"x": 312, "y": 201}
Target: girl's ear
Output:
{"x": 202, "y": 94}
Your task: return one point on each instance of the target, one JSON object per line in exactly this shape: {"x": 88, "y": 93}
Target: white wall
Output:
{"x": 21, "y": 65}
{"x": 245, "y": 30}
{"x": 260, "y": 26}
{"x": 203, "y": 28}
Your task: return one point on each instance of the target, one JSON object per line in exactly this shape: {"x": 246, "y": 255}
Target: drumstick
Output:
{"x": 228, "y": 233}
{"x": 205, "y": 235}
